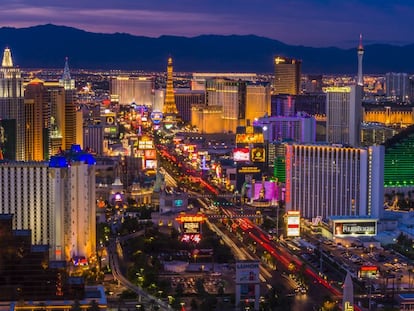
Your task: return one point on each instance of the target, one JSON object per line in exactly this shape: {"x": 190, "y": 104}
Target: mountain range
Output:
{"x": 46, "y": 46}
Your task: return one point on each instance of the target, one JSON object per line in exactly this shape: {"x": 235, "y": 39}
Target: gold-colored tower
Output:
{"x": 169, "y": 103}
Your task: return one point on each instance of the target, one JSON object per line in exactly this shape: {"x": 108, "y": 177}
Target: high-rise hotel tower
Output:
{"x": 126, "y": 90}
{"x": 343, "y": 111}
{"x": 330, "y": 180}
{"x": 12, "y": 129}
{"x": 36, "y": 107}
{"x": 55, "y": 200}
{"x": 287, "y": 75}
{"x": 73, "y": 117}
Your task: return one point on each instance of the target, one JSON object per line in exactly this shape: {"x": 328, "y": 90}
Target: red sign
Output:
{"x": 191, "y": 218}
{"x": 150, "y": 154}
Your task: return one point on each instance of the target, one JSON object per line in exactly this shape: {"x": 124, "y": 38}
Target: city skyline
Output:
{"x": 331, "y": 23}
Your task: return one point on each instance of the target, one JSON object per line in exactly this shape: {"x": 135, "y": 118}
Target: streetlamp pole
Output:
{"x": 275, "y": 203}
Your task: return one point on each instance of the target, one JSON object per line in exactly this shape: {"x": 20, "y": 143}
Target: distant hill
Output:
{"x": 46, "y": 46}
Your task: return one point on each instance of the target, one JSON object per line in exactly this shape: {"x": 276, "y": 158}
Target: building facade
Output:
{"x": 93, "y": 138}
{"x": 35, "y": 105}
{"x": 55, "y": 200}
{"x": 257, "y": 101}
{"x": 399, "y": 161}
{"x": 198, "y": 82}
{"x": 185, "y": 100}
{"x": 287, "y": 75}
{"x": 127, "y": 90}
{"x": 325, "y": 180}
{"x": 343, "y": 112}
{"x": 301, "y": 129}
{"x": 73, "y": 115}
{"x": 12, "y": 106}
{"x": 397, "y": 86}
{"x": 230, "y": 95}
{"x": 56, "y": 122}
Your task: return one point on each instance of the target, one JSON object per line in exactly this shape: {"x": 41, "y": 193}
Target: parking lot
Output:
{"x": 190, "y": 281}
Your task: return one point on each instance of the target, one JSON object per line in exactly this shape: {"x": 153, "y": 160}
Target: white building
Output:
{"x": 323, "y": 180}
{"x": 343, "y": 115}
{"x": 26, "y": 192}
{"x": 55, "y": 200}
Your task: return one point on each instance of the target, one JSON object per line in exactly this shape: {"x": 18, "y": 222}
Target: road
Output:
{"x": 114, "y": 252}
{"x": 319, "y": 289}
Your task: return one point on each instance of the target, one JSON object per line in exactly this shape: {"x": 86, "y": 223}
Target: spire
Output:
{"x": 7, "y": 58}
{"x": 66, "y": 81}
{"x": 348, "y": 294}
{"x": 360, "y": 46}
{"x": 66, "y": 71}
{"x": 169, "y": 102}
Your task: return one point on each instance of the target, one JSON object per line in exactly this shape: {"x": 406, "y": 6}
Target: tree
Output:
{"x": 220, "y": 290}
{"x": 76, "y": 306}
{"x": 200, "y": 286}
{"x": 193, "y": 304}
{"x": 209, "y": 303}
{"x": 179, "y": 290}
{"x": 93, "y": 306}
{"x": 329, "y": 305}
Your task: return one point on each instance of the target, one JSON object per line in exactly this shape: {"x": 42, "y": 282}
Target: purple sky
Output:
{"x": 305, "y": 22}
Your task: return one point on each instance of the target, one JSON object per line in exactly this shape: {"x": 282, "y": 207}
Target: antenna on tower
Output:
{"x": 360, "y": 46}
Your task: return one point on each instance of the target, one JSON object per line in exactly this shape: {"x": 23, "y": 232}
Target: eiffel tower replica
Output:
{"x": 170, "y": 111}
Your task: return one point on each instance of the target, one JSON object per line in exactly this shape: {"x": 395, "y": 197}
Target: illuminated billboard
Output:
{"x": 191, "y": 227}
{"x": 248, "y": 170}
{"x": 247, "y": 272}
{"x": 151, "y": 164}
{"x": 241, "y": 154}
{"x": 111, "y": 131}
{"x": 156, "y": 117}
{"x": 182, "y": 218}
{"x": 249, "y": 135}
{"x": 368, "y": 272}
{"x": 150, "y": 154}
{"x": 248, "y": 282}
{"x": 194, "y": 238}
{"x": 146, "y": 143}
{"x": 189, "y": 148}
{"x": 293, "y": 223}
{"x": 110, "y": 119}
{"x": 252, "y": 138}
{"x": 258, "y": 154}
{"x": 354, "y": 227}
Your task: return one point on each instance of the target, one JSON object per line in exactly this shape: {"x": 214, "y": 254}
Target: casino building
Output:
{"x": 55, "y": 200}
{"x": 332, "y": 180}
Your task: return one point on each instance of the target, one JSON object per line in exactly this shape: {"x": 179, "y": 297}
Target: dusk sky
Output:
{"x": 304, "y": 22}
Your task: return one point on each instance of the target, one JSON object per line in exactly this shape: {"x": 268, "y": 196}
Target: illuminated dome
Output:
{"x": 75, "y": 154}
